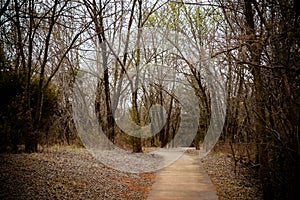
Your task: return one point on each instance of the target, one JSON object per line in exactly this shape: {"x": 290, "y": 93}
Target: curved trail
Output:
{"x": 184, "y": 179}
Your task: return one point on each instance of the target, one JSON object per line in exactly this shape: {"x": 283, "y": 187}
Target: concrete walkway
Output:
{"x": 184, "y": 179}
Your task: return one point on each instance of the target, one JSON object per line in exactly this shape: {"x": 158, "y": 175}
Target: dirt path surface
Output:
{"x": 66, "y": 173}
{"x": 184, "y": 179}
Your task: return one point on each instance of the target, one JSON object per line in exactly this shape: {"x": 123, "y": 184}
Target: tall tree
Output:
{"x": 33, "y": 23}
{"x": 265, "y": 31}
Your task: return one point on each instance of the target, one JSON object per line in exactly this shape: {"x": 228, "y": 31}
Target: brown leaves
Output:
{"x": 67, "y": 174}
{"x": 242, "y": 185}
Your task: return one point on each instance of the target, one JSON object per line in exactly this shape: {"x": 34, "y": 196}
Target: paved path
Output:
{"x": 184, "y": 179}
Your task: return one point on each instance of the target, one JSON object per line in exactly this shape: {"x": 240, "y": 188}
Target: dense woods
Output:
{"x": 254, "y": 45}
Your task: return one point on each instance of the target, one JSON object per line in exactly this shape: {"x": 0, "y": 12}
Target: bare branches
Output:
{"x": 4, "y": 8}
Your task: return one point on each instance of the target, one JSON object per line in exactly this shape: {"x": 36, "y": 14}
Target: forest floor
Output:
{"x": 67, "y": 173}
{"x": 240, "y": 184}
{"x": 73, "y": 173}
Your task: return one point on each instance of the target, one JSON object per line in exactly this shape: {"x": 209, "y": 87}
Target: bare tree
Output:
{"x": 34, "y": 25}
{"x": 269, "y": 57}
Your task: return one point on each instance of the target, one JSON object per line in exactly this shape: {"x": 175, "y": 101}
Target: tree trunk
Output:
{"x": 99, "y": 26}
{"x": 255, "y": 51}
{"x": 136, "y": 140}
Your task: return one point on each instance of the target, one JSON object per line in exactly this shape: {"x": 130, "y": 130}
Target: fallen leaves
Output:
{"x": 66, "y": 173}
{"x": 242, "y": 185}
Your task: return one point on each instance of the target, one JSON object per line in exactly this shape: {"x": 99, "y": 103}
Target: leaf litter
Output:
{"x": 67, "y": 173}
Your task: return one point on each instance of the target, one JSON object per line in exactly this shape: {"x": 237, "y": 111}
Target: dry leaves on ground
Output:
{"x": 244, "y": 184}
{"x": 68, "y": 173}
{"x": 65, "y": 173}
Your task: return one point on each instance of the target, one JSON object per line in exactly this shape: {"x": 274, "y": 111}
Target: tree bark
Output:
{"x": 255, "y": 51}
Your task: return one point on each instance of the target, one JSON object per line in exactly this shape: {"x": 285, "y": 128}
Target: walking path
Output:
{"x": 184, "y": 179}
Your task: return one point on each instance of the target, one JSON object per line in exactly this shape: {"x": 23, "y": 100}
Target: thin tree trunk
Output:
{"x": 255, "y": 51}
